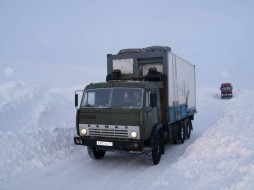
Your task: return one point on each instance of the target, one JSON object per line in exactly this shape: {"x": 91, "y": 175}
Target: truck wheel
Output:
{"x": 188, "y": 129}
{"x": 181, "y": 133}
{"x": 153, "y": 156}
{"x": 95, "y": 153}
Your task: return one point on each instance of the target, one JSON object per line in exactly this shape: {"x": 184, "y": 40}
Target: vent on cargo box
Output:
{"x": 131, "y": 50}
{"x": 157, "y": 49}
{"x": 146, "y": 49}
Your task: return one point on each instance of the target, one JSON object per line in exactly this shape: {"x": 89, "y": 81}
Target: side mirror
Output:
{"x": 153, "y": 100}
{"x": 76, "y": 100}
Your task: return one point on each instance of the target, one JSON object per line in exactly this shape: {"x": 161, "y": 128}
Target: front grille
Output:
{"x": 110, "y": 133}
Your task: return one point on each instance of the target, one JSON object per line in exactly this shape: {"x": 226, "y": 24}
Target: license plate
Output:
{"x": 104, "y": 143}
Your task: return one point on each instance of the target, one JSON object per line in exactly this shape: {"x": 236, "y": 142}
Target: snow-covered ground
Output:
{"x": 37, "y": 150}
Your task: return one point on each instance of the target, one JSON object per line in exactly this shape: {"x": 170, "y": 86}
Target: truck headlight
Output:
{"x": 83, "y": 131}
{"x": 134, "y": 134}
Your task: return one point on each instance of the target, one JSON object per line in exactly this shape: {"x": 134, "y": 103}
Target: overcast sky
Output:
{"x": 217, "y": 36}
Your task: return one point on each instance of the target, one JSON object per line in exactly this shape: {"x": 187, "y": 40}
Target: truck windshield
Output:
{"x": 226, "y": 88}
{"x": 113, "y": 97}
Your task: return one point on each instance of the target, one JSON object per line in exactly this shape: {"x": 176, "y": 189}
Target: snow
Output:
{"x": 37, "y": 126}
{"x": 223, "y": 155}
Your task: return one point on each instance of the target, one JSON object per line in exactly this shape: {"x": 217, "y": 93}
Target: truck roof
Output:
{"x": 226, "y": 85}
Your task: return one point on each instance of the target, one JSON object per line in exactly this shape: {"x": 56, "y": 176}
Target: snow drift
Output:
{"x": 222, "y": 158}
{"x": 36, "y": 126}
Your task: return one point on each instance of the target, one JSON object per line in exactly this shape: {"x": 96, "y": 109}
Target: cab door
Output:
{"x": 151, "y": 115}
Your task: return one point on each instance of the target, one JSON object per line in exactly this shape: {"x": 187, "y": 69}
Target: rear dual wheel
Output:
{"x": 184, "y": 131}
{"x": 181, "y": 133}
{"x": 188, "y": 128}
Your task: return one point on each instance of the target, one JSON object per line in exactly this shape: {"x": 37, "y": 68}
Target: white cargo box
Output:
{"x": 181, "y": 82}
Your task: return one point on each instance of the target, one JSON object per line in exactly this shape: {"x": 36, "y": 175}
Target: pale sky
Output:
{"x": 217, "y": 36}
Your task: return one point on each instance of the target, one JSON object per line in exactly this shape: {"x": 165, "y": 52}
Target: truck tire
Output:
{"x": 95, "y": 153}
{"x": 153, "y": 156}
{"x": 188, "y": 129}
{"x": 181, "y": 133}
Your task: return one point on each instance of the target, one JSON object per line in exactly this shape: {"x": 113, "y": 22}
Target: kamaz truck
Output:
{"x": 147, "y": 100}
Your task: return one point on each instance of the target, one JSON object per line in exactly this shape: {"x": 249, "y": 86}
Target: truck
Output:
{"x": 147, "y": 101}
{"x": 226, "y": 90}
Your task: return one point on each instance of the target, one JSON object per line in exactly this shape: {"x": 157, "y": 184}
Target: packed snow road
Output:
{"x": 219, "y": 154}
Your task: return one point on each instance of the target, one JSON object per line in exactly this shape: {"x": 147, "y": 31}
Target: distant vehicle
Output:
{"x": 226, "y": 90}
{"x": 148, "y": 99}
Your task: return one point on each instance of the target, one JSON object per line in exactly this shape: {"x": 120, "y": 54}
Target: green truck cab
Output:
{"x": 145, "y": 102}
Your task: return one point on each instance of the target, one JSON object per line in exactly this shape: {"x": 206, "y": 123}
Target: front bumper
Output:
{"x": 226, "y": 95}
{"x": 111, "y": 144}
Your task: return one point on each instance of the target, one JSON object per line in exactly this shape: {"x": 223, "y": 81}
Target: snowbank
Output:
{"x": 37, "y": 113}
{"x": 36, "y": 126}
{"x": 222, "y": 158}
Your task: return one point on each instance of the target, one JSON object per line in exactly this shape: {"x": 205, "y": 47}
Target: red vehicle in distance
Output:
{"x": 226, "y": 90}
